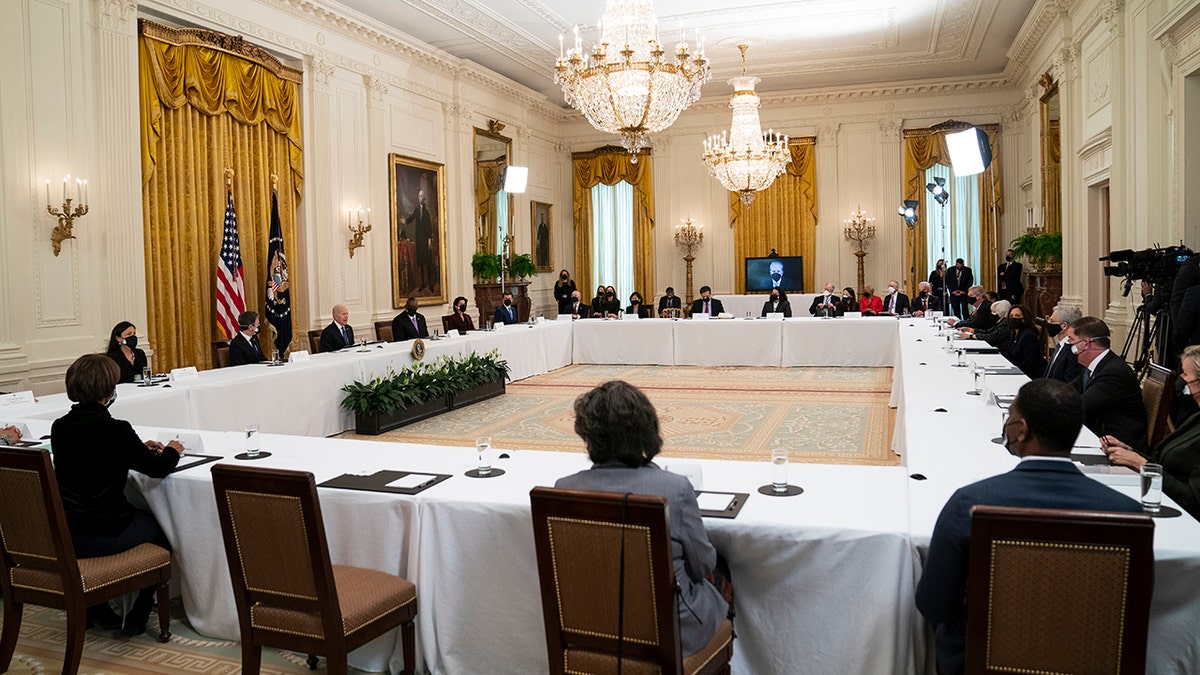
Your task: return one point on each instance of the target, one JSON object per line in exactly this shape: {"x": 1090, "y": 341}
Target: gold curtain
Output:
{"x": 611, "y": 165}
{"x": 783, "y": 216}
{"x": 924, "y": 148}
{"x": 1052, "y": 176}
{"x": 205, "y": 107}
{"x": 489, "y": 179}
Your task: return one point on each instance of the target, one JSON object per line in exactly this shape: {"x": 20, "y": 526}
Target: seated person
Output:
{"x": 619, "y": 426}
{"x": 896, "y": 302}
{"x": 706, "y": 304}
{"x": 925, "y": 301}
{"x": 1112, "y": 398}
{"x": 460, "y": 320}
{"x": 777, "y": 303}
{"x": 982, "y": 317}
{"x": 669, "y": 301}
{"x": 244, "y": 347}
{"x": 506, "y": 312}
{"x": 637, "y": 306}
{"x": 122, "y": 348}
{"x": 93, "y": 455}
{"x": 1178, "y": 453}
{"x": 409, "y": 324}
{"x": 599, "y": 297}
{"x": 577, "y": 309}
{"x": 1024, "y": 349}
{"x": 999, "y": 334}
{"x": 849, "y": 303}
{"x": 870, "y": 304}
{"x": 609, "y": 307}
{"x": 826, "y": 304}
{"x": 339, "y": 334}
{"x": 1064, "y": 365}
{"x": 1042, "y": 424}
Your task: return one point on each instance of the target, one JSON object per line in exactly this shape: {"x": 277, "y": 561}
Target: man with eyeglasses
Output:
{"x": 1112, "y": 399}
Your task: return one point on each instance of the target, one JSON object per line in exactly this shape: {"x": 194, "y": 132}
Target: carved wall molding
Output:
{"x": 827, "y": 133}
{"x": 889, "y": 129}
{"x": 1033, "y": 32}
{"x": 230, "y": 44}
{"x": 115, "y": 15}
{"x": 320, "y": 71}
{"x": 377, "y": 89}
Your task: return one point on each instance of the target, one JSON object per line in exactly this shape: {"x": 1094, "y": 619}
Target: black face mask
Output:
{"x": 1053, "y": 329}
{"x": 461, "y": 308}
{"x": 923, "y": 294}
{"x": 635, "y": 302}
{"x": 411, "y": 310}
{"x": 776, "y": 276}
{"x": 609, "y": 296}
{"x": 507, "y": 303}
{"x": 774, "y": 298}
{"x": 1008, "y": 258}
{"x": 563, "y": 277}
{"x": 131, "y": 341}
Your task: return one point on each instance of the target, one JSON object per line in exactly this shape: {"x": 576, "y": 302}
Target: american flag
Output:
{"x": 231, "y": 290}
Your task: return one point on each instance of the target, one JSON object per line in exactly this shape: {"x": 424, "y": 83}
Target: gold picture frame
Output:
{"x": 418, "y": 237}
{"x": 541, "y": 229}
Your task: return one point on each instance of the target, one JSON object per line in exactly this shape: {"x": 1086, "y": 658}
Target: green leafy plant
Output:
{"x": 424, "y": 381}
{"x": 485, "y": 266}
{"x": 1044, "y": 249}
{"x": 521, "y": 266}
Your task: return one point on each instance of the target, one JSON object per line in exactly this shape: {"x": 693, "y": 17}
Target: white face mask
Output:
{"x": 1187, "y": 390}
{"x": 1075, "y": 348}
{"x": 890, "y": 290}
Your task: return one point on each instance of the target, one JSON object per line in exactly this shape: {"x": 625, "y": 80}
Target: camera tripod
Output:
{"x": 1147, "y": 332}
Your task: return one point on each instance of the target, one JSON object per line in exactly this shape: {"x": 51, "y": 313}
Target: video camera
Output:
{"x": 1156, "y": 265}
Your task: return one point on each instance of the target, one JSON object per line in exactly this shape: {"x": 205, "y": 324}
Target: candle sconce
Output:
{"x": 357, "y": 231}
{"x": 66, "y": 213}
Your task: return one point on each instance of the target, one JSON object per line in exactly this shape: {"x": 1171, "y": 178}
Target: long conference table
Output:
{"x": 824, "y": 581}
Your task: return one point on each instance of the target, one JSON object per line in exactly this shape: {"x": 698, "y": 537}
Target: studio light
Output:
{"x": 515, "y": 179}
{"x": 938, "y": 189}
{"x": 970, "y": 151}
{"x": 909, "y": 211}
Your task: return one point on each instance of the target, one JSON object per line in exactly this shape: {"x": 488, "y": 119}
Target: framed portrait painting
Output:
{"x": 542, "y": 224}
{"x": 418, "y": 240}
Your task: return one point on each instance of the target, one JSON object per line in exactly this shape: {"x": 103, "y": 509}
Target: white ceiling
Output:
{"x": 794, "y": 45}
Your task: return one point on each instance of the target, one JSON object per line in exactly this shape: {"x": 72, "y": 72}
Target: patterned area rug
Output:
{"x": 43, "y": 640}
{"x": 823, "y": 415}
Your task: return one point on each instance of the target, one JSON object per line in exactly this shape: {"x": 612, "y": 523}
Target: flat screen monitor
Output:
{"x": 786, "y": 272}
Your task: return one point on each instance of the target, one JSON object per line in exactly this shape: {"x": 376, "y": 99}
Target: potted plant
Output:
{"x": 485, "y": 266}
{"x": 477, "y": 378}
{"x": 1044, "y": 249}
{"x": 521, "y": 266}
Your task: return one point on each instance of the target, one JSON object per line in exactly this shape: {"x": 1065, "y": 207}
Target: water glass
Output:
{"x": 487, "y": 456}
{"x": 252, "y": 441}
{"x": 1152, "y": 480}
{"x": 147, "y": 376}
{"x": 960, "y": 357}
{"x": 274, "y": 356}
{"x": 978, "y": 372}
{"x": 779, "y": 470}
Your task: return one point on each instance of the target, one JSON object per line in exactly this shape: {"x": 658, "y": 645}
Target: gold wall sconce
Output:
{"x": 72, "y": 193}
{"x": 357, "y": 231}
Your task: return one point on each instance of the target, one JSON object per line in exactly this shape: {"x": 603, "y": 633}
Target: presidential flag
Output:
{"x": 279, "y": 297}
{"x": 231, "y": 288}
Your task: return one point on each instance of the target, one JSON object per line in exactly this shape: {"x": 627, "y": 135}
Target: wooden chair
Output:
{"x": 1158, "y": 388}
{"x": 220, "y": 353}
{"x": 383, "y": 331}
{"x": 314, "y": 341}
{"x": 578, "y": 535}
{"x": 671, "y": 313}
{"x": 1058, "y": 591}
{"x": 446, "y": 323}
{"x": 38, "y": 563}
{"x": 287, "y": 592}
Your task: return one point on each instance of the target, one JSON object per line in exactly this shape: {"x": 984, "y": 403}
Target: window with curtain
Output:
{"x": 612, "y": 238}
{"x": 952, "y": 231}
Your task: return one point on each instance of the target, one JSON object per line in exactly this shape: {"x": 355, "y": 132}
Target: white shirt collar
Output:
{"x": 1048, "y": 458}
{"x": 1092, "y": 366}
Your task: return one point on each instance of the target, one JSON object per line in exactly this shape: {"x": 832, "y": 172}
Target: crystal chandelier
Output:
{"x": 627, "y": 84}
{"x": 747, "y": 160}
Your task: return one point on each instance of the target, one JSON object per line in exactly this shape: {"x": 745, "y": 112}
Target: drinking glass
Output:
{"x": 483, "y": 446}
{"x": 147, "y": 376}
{"x": 274, "y": 356}
{"x": 1152, "y": 479}
{"x": 252, "y": 441}
{"x": 978, "y": 372}
{"x": 779, "y": 470}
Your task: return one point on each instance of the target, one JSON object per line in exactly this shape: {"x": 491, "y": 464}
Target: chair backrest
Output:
{"x": 33, "y": 526}
{"x": 446, "y": 323}
{"x": 578, "y": 536}
{"x": 275, "y": 543}
{"x": 220, "y": 353}
{"x": 671, "y": 313}
{"x": 1058, "y": 591}
{"x": 314, "y": 341}
{"x": 383, "y": 331}
{"x": 1158, "y": 388}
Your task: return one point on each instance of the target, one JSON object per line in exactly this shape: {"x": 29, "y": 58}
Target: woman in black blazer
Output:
{"x": 460, "y": 320}
{"x": 93, "y": 455}
{"x": 122, "y": 348}
{"x": 1024, "y": 349}
{"x": 637, "y": 306}
{"x": 562, "y": 290}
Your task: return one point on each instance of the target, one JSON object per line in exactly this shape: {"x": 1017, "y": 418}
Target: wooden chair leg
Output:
{"x": 8, "y": 635}
{"x": 251, "y": 658}
{"x": 408, "y": 640}
{"x": 76, "y": 631}
{"x": 336, "y": 659}
{"x": 312, "y": 661}
{"x": 164, "y": 613}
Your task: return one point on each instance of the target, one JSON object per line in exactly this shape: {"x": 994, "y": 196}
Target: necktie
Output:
{"x": 415, "y": 326}
{"x": 510, "y": 313}
{"x": 257, "y": 347}
{"x": 706, "y": 309}
{"x": 892, "y": 303}
{"x": 1087, "y": 377}
{"x": 345, "y": 336}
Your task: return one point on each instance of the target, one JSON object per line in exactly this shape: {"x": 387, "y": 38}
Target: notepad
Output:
{"x": 714, "y": 501}
{"x": 412, "y": 480}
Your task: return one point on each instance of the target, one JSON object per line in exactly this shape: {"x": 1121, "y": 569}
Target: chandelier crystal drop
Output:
{"x": 746, "y": 160}
{"x": 627, "y": 84}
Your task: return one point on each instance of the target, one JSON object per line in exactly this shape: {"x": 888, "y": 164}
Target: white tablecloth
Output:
{"x": 869, "y": 341}
{"x": 741, "y": 305}
{"x": 730, "y": 342}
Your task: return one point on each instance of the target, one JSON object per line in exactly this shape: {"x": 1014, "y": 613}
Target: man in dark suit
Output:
{"x": 925, "y": 301}
{"x": 706, "y": 304}
{"x": 1008, "y": 275}
{"x": 576, "y": 308}
{"x": 506, "y": 312}
{"x": 669, "y": 301}
{"x": 244, "y": 347}
{"x": 959, "y": 280}
{"x": 825, "y": 304}
{"x": 1112, "y": 399}
{"x": 409, "y": 325}
{"x": 775, "y": 278}
{"x": 1063, "y": 365}
{"x": 982, "y": 318}
{"x": 1043, "y": 422}
{"x": 339, "y": 333}
{"x": 896, "y": 303}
